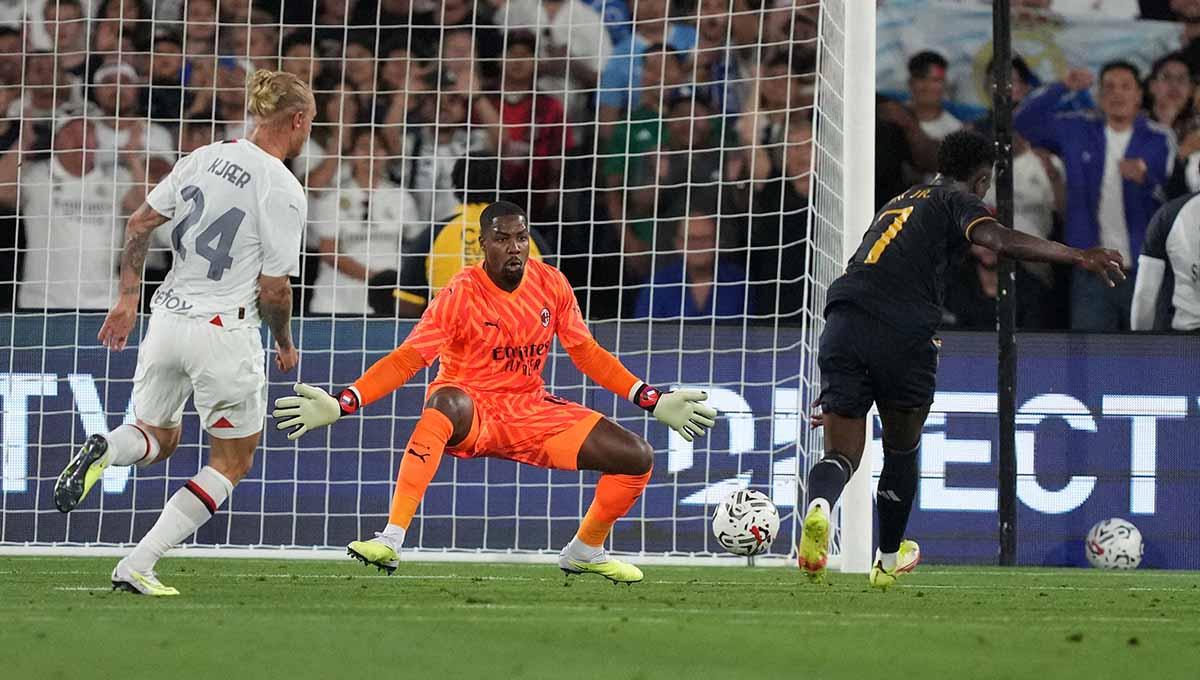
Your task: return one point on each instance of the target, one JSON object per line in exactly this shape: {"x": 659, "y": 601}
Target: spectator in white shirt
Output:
{"x": 927, "y": 85}
{"x": 71, "y": 207}
{"x": 364, "y": 226}
{"x": 318, "y": 162}
{"x": 122, "y": 126}
{"x": 436, "y": 148}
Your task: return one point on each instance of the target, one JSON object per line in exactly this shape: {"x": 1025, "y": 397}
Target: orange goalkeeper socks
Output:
{"x": 418, "y": 464}
{"x": 615, "y": 495}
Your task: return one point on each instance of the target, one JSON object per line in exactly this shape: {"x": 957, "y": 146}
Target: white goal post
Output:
{"x": 857, "y": 514}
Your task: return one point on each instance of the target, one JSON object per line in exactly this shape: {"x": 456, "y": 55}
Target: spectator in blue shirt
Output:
{"x": 618, "y": 22}
{"x": 622, "y": 74}
{"x": 1117, "y": 164}
{"x": 700, "y": 283}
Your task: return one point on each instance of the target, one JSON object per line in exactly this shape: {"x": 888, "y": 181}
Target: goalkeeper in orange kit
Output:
{"x": 492, "y": 328}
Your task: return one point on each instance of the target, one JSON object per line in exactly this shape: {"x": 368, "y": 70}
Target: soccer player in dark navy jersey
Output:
{"x": 879, "y": 344}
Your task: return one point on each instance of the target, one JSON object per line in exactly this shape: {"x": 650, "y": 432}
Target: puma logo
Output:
{"x": 493, "y": 324}
{"x": 422, "y": 456}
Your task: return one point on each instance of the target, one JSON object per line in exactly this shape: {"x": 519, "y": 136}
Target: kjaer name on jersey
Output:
{"x": 230, "y": 171}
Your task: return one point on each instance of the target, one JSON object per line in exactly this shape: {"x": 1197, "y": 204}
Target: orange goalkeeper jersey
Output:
{"x": 492, "y": 340}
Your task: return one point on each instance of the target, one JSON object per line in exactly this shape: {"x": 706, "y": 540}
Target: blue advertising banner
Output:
{"x": 1105, "y": 429}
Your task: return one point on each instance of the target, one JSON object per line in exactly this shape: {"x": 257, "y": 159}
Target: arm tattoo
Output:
{"x": 276, "y": 310}
{"x": 133, "y": 258}
{"x": 137, "y": 242}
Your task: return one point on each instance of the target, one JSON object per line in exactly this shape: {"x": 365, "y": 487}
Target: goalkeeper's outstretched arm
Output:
{"x": 313, "y": 407}
{"x": 683, "y": 411}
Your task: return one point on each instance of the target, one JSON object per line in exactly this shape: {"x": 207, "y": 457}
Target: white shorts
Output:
{"x": 222, "y": 368}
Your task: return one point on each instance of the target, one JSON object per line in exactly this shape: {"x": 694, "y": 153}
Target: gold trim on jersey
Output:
{"x": 975, "y": 221}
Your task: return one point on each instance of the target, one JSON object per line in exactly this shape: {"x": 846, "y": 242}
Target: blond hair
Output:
{"x": 269, "y": 93}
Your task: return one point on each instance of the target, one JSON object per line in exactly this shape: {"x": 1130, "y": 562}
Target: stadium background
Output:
{"x": 711, "y": 171}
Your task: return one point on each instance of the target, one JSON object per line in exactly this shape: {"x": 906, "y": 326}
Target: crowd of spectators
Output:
{"x": 611, "y": 122}
{"x": 1095, "y": 155}
{"x": 662, "y": 148}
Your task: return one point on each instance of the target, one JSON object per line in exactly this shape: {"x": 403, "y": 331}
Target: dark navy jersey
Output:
{"x": 897, "y": 273}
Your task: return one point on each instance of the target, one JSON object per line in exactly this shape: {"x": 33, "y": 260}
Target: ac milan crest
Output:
{"x": 545, "y": 317}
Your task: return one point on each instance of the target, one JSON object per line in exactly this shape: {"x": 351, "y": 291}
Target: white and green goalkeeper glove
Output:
{"x": 683, "y": 411}
{"x": 313, "y": 407}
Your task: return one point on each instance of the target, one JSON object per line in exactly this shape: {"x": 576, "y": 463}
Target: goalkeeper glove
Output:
{"x": 683, "y": 411}
{"x": 313, "y": 407}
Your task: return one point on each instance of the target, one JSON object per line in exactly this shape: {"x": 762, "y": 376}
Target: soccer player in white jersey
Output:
{"x": 237, "y": 215}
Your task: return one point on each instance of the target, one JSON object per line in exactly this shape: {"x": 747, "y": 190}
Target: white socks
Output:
{"x": 185, "y": 512}
{"x": 888, "y": 560}
{"x": 582, "y": 552}
{"x": 393, "y": 535}
{"x": 131, "y": 445}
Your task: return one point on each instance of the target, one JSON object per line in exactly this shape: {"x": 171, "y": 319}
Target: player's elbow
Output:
{"x": 992, "y": 236}
{"x": 144, "y": 218}
{"x": 274, "y": 289}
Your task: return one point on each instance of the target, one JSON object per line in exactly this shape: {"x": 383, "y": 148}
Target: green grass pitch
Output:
{"x": 287, "y": 620}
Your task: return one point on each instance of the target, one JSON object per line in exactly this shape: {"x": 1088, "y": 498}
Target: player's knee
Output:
{"x": 171, "y": 443}
{"x": 848, "y": 461}
{"x": 454, "y": 404}
{"x": 641, "y": 458}
{"x": 167, "y": 438}
{"x": 907, "y": 448}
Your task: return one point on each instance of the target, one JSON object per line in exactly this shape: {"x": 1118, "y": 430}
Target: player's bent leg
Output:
{"x": 137, "y": 444}
{"x": 611, "y": 449}
{"x": 448, "y": 419}
{"x": 186, "y": 511}
{"x": 165, "y": 439}
{"x": 897, "y": 489}
{"x": 845, "y": 438}
{"x": 233, "y": 458}
{"x": 627, "y": 461}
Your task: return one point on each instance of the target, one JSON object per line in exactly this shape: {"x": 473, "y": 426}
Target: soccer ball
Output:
{"x": 1114, "y": 544}
{"x": 746, "y": 522}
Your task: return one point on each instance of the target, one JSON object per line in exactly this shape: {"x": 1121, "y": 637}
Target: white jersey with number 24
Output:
{"x": 237, "y": 212}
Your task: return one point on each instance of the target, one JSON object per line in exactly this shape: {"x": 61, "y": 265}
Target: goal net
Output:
{"x": 683, "y": 163}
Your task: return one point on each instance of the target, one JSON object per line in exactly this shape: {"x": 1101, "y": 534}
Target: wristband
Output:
{"x": 348, "y": 401}
{"x": 646, "y": 397}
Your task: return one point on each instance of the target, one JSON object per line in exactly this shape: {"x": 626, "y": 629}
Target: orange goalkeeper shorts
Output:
{"x": 536, "y": 429}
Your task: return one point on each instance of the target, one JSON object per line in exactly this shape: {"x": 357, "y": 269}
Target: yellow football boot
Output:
{"x": 81, "y": 474}
{"x": 609, "y": 567}
{"x": 139, "y": 583}
{"x": 375, "y": 553}
{"x": 906, "y": 560}
{"x": 813, "y": 551}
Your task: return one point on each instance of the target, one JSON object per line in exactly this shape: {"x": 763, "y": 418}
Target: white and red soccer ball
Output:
{"x": 746, "y": 522}
{"x": 1114, "y": 544}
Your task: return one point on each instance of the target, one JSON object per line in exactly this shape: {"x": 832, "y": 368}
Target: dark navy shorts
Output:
{"x": 864, "y": 360}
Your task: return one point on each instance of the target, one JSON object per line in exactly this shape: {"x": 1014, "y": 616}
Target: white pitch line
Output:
{"x": 800, "y": 617}
{"x": 692, "y": 582}
{"x": 1058, "y": 572}
{"x": 1145, "y": 589}
{"x": 83, "y": 588}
